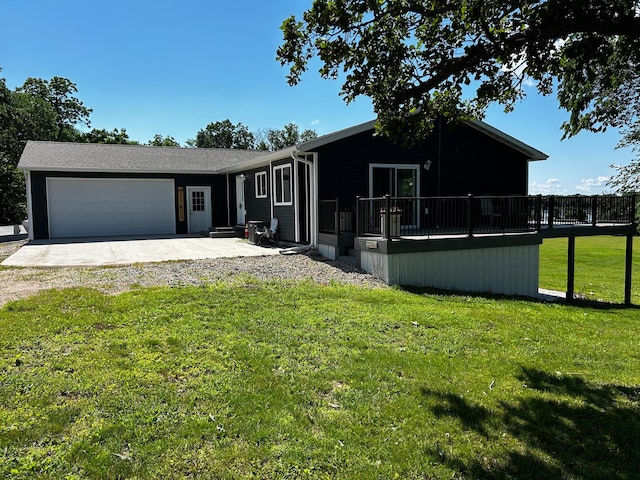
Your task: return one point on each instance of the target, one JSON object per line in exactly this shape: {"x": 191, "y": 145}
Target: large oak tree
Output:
{"x": 419, "y": 59}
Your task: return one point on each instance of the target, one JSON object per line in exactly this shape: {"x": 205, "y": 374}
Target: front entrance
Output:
{"x": 199, "y": 203}
{"x": 240, "y": 205}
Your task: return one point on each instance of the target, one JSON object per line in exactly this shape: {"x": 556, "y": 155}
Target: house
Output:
{"x": 451, "y": 212}
{"x": 89, "y": 190}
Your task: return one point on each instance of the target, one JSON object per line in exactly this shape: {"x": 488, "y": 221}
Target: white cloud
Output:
{"x": 315, "y": 122}
{"x": 551, "y": 186}
{"x": 592, "y": 186}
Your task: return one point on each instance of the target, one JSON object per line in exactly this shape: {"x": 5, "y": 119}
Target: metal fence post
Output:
{"x": 387, "y": 216}
{"x": 357, "y": 216}
{"x": 594, "y": 210}
{"x": 538, "y": 214}
{"x": 470, "y": 214}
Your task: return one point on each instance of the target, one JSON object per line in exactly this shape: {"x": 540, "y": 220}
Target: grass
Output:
{"x": 599, "y": 267}
{"x": 295, "y": 380}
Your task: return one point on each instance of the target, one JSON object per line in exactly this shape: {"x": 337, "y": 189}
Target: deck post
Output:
{"x": 357, "y": 216}
{"x": 628, "y": 267}
{"x": 538, "y": 214}
{"x": 571, "y": 267}
{"x": 594, "y": 210}
{"x": 387, "y": 216}
{"x": 336, "y": 218}
{"x": 469, "y": 214}
{"x": 551, "y": 206}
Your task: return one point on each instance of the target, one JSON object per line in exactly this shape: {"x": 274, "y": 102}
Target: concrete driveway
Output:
{"x": 91, "y": 252}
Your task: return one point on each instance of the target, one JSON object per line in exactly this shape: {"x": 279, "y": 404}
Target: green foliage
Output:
{"x": 13, "y": 206}
{"x": 418, "y": 60}
{"x": 277, "y": 139}
{"x": 287, "y": 380}
{"x": 160, "y": 141}
{"x": 38, "y": 110}
{"x": 58, "y": 92}
{"x": 225, "y": 134}
{"x": 101, "y": 135}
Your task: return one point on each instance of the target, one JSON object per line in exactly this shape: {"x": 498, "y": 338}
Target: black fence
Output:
{"x": 422, "y": 216}
{"x": 336, "y": 218}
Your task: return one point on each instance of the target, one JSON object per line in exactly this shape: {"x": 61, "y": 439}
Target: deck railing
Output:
{"x": 422, "y": 216}
{"x": 336, "y": 218}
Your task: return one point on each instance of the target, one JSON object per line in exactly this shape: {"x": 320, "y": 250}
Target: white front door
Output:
{"x": 240, "y": 206}
{"x": 199, "y": 206}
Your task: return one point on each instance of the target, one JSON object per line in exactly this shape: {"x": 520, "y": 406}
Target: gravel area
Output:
{"x": 18, "y": 283}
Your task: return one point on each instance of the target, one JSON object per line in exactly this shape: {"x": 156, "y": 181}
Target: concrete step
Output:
{"x": 227, "y": 232}
{"x": 351, "y": 260}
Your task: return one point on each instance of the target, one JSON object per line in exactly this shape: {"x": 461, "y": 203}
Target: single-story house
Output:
{"x": 88, "y": 190}
{"x": 451, "y": 212}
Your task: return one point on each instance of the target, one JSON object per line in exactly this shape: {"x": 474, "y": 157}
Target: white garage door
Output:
{"x": 90, "y": 207}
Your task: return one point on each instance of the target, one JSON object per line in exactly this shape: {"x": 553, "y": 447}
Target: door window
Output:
{"x": 197, "y": 201}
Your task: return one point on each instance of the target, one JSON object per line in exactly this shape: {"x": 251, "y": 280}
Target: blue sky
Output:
{"x": 170, "y": 68}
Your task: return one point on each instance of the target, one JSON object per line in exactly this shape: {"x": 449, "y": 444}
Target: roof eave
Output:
{"x": 532, "y": 154}
{"x": 117, "y": 170}
{"x": 260, "y": 161}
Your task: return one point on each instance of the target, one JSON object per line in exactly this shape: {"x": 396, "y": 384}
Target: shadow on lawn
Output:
{"x": 576, "y": 302}
{"x": 568, "y": 428}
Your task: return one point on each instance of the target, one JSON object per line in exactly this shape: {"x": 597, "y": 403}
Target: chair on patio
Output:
{"x": 268, "y": 235}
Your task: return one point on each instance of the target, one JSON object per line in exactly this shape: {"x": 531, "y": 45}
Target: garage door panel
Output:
{"x": 101, "y": 207}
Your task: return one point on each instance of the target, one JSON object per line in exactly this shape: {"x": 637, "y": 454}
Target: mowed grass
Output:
{"x": 280, "y": 380}
{"x": 599, "y": 267}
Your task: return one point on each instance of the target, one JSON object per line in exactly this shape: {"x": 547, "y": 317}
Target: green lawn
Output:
{"x": 599, "y": 267}
{"x": 279, "y": 380}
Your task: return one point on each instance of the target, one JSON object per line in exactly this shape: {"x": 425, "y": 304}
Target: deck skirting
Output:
{"x": 508, "y": 270}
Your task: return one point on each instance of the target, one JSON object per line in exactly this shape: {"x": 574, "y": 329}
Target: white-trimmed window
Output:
{"x": 261, "y": 185}
{"x": 282, "y": 185}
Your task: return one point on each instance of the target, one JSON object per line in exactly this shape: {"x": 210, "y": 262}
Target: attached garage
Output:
{"x": 95, "y": 207}
{"x": 99, "y": 190}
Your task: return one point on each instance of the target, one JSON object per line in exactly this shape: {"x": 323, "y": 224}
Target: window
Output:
{"x": 197, "y": 201}
{"x": 282, "y": 184}
{"x": 261, "y": 185}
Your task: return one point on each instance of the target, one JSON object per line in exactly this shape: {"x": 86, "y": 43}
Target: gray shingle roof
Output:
{"x": 87, "y": 157}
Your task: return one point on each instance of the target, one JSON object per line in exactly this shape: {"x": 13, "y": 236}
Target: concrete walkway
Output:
{"x": 89, "y": 252}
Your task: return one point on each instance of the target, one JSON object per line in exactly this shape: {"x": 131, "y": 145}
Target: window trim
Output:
{"x": 262, "y": 186}
{"x": 278, "y": 176}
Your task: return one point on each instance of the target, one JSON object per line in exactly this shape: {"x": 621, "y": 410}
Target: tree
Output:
{"x": 58, "y": 92}
{"x": 275, "y": 139}
{"x": 102, "y": 135}
{"x": 225, "y": 134}
{"x": 13, "y": 207}
{"x": 419, "y": 59}
{"x": 627, "y": 178}
{"x": 160, "y": 141}
{"x": 39, "y": 110}
{"x": 22, "y": 117}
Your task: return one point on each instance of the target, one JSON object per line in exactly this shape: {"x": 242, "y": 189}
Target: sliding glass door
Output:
{"x": 397, "y": 181}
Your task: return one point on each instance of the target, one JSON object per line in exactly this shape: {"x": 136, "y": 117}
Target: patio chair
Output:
{"x": 268, "y": 235}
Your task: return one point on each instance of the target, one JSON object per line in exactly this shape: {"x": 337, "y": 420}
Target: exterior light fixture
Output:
{"x": 427, "y": 165}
